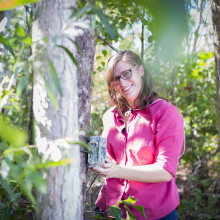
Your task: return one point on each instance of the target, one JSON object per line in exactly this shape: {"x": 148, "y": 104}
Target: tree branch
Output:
{"x": 105, "y": 41}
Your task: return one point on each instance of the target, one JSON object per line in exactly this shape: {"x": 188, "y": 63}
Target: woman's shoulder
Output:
{"x": 110, "y": 111}
{"x": 161, "y": 106}
{"x": 108, "y": 115}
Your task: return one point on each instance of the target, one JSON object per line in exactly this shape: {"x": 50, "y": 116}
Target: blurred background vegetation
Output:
{"x": 184, "y": 75}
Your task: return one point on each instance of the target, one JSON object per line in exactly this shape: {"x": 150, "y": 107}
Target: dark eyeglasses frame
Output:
{"x": 117, "y": 79}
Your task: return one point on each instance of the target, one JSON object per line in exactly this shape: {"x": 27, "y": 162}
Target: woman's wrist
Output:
{"x": 119, "y": 172}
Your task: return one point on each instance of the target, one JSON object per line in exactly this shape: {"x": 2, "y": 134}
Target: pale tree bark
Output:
{"x": 85, "y": 60}
{"x": 216, "y": 27}
{"x": 63, "y": 198}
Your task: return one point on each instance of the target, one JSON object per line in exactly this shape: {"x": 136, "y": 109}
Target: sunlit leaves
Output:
{"x": 10, "y": 4}
{"x": 104, "y": 21}
{"x": 7, "y": 132}
{"x": 130, "y": 201}
{"x": 20, "y": 31}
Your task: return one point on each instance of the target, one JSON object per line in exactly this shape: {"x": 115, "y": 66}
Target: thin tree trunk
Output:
{"x": 63, "y": 198}
{"x": 1, "y": 15}
{"x": 84, "y": 83}
{"x": 216, "y": 27}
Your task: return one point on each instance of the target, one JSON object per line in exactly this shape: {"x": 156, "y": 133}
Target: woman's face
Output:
{"x": 131, "y": 87}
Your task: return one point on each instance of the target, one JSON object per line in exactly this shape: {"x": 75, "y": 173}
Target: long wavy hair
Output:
{"x": 146, "y": 95}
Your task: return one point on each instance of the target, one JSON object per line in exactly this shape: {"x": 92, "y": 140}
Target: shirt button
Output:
{"x": 123, "y": 151}
{"x": 121, "y": 191}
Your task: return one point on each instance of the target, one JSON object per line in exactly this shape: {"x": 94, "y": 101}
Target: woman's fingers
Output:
{"x": 103, "y": 170}
{"x": 106, "y": 165}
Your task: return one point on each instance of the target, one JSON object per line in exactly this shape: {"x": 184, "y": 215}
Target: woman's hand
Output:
{"x": 109, "y": 169}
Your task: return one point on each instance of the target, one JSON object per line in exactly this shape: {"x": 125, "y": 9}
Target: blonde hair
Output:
{"x": 146, "y": 94}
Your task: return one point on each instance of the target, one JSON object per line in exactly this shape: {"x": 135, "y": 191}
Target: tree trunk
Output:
{"x": 216, "y": 27}
{"x": 84, "y": 82}
{"x": 62, "y": 200}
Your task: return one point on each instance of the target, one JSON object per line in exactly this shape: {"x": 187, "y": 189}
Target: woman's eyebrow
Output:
{"x": 124, "y": 71}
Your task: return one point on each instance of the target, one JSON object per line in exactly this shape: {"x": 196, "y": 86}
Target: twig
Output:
{"x": 105, "y": 41}
{"x": 11, "y": 192}
{"x": 92, "y": 182}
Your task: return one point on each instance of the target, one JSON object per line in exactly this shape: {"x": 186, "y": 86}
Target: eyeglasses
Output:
{"x": 124, "y": 75}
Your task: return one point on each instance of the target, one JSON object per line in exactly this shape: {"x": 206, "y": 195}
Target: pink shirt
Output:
{"x": 154, "y": 135}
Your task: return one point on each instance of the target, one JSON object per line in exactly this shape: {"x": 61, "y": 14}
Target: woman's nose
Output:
{"x": 122, "y": 81}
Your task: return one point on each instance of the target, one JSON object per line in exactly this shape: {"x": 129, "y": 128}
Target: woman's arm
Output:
{"x": 151, "y": 173}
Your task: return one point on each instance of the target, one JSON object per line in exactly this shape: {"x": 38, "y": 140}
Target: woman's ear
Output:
{"x": 141, "y": 69}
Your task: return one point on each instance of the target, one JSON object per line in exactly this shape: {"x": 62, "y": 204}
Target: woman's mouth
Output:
{"x": 126, "y": 89}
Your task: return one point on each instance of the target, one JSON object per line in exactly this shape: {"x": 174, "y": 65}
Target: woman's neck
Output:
{"x": 133, "y": 104}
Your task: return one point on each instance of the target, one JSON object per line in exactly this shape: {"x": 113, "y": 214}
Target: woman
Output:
{"x": 145, "y": 138}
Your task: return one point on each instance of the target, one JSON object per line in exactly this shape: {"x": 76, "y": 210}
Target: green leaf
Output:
{"x": 2, "y": 207}
{"x": 71, "y": 56}
{"x": 7, "y": 213}
{"x": 122, "y": 10}
{"x": 80, "y": 4}
{"x": 7, "y": 45}
{"x": 51, "y": 164}
{"x": 104, "y": 52}
{"x": 131, "y": 200}
{"x": 51, "y": 94}
{"x": 115, "y": 211}
{"x": 194, "y": 178}
{"x": 139, "y": 208}
{"x": 131, "y": 216}
{"x": 38, "y": 181}
{"x": 103, "y": 20}
{"x": 55, "y": 77}
{"x": 0, "y": 195}
{"x": 17, "y": 68}
{"x": 82, "y": 144}
{"x": 27, "y": 191}
{"x": 3, "y": 146}
{"x": 77, "y": 45}
{"x": 20, "y": 31}
{"x": 19, "y": 159}
{"x": 197, "y": 190}
{"x": 98, "y": 217}
{"x": 7, "y": 132}
{"x": 6, "y": 185}
{"x": 21, "y": 84}
{"x": 28, "y": 41}
{"x": 15, "y": 197}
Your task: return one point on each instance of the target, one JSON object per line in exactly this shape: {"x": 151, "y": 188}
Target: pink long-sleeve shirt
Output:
{"x": 153, "y": 135}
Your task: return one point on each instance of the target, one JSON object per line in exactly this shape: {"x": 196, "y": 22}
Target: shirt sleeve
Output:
{"x": 169, "y": 138}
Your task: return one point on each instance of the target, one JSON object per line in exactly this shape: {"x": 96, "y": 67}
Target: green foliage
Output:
{"x": 104, "y": 21}
{"x": 116, "y": 212}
